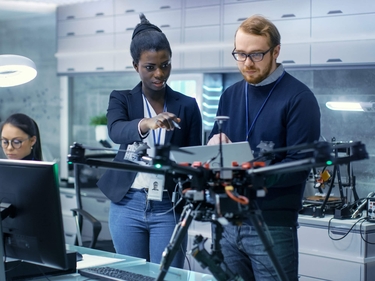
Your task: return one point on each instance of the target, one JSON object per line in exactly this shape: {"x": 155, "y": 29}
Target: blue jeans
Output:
{"x": 245, "y": 254}
{"x": 141, "y": 228}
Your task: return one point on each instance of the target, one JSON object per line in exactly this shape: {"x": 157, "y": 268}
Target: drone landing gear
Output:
{"x": 215, "y": 260}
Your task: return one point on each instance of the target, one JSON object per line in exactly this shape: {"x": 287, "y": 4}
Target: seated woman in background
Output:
{"x": 20, "y": 138}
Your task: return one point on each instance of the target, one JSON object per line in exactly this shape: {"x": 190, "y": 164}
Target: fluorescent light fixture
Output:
{"x": 210, "y": 115}
{"x": 210, "y": 106}
{"x": 16, "y": 70}
{"x": 212, "y": 89}
{"x": 207, "y": 123}
{"x": 351, "y": 106}
{"x": 207, "y": 97}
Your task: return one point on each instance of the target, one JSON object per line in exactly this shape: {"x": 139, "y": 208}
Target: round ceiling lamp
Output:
{"x": 16, "y": 70}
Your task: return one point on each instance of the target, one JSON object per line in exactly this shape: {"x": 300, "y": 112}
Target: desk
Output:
{"x": 94, "y": 202}
{"x": 322, "y": 258}
{"x": 134, "y": 265}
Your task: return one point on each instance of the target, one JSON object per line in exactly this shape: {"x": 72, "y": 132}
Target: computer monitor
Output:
{"x": 34, "y": 233}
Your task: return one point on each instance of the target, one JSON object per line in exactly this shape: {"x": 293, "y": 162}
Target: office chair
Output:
{"x": 82, "y": 216}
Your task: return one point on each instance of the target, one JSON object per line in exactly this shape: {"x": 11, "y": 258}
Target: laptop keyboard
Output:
{"x": 108, "y": 273}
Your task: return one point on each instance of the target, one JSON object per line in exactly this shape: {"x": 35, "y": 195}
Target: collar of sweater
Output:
{"x": 272, "y": 77}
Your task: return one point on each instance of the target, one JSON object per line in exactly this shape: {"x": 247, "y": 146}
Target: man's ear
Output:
{"x": 276, "y": 51}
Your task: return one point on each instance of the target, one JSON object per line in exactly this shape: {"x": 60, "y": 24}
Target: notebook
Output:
{"x": 238, "y": 151}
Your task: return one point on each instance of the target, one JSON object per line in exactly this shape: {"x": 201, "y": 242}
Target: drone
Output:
{"x": 220, "y": 201}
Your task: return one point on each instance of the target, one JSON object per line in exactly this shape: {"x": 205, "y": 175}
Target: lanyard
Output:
{"x": 149, "y": 115}
{"x": 261, "y": 108}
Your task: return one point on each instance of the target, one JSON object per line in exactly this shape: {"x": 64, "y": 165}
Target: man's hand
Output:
{"x": 216, "y": 139}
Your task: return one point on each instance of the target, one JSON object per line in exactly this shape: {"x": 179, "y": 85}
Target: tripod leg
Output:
{"x": 324, "y": 204}
{"x": 343, "y": 201}
{"x": 261, "y": 228}
{"x": 178, "y": 235}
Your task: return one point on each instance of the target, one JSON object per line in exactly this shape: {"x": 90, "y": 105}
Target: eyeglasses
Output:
{"x": 255, "y": 57}
{"x": 15, "y": 143}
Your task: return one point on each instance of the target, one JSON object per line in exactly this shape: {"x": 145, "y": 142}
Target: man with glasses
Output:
{"x": 270, "y": 109}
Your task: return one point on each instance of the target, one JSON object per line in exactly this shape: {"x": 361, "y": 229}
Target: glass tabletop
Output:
{"x": 131, "y": 264}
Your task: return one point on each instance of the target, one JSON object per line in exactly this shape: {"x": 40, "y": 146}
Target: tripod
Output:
{"x": 215, "y": 260}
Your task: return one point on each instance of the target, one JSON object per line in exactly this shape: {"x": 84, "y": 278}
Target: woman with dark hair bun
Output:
{"x": 142, "y": 218}
{"x": 20, "y": 138}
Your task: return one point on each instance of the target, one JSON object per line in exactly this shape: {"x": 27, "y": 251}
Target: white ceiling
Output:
{"x": 14, "y": 9}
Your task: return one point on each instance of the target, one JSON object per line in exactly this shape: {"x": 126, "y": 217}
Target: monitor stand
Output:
{"x": 16, "y": 269}
{"x": 22, "y": 270}
{"x": 5, "y": 210}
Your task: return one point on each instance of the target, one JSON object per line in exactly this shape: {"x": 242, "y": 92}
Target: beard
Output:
{"x": 259, "y": 75}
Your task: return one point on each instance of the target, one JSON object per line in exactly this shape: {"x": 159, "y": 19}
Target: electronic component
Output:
{"x": 371, "y": 209}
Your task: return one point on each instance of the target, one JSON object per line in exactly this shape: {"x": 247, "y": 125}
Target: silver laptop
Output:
{"x": 238, "y": 151}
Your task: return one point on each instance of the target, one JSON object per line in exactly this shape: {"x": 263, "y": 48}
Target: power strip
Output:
{"x": 371, "y": 209}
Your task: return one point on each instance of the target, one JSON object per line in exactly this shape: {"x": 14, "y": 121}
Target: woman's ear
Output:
{"x": 33, "y": 140}
{"x": 135, "y": 66}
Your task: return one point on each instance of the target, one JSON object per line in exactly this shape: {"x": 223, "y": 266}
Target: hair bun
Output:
{"x": 144, "y": 25}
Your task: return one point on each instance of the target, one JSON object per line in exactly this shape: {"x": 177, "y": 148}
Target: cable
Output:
{"x": 350, "y": 229}
{"x": 174, "y": 204}
{"x": 243, "y": 200}
{"x": 361, "y": 220}
{"x": 360, "y": 231}
{"x": 174, "y": 216}
{"x": 43, "y": 274}
{"x": 212, "y": 159}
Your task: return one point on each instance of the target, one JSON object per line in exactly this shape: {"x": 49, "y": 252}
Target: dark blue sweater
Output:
{"x": 290, "y": 117}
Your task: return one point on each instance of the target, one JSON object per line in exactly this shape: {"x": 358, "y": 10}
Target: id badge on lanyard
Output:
{"x": 156, "y": 187}
{"x": 156, "y": 182}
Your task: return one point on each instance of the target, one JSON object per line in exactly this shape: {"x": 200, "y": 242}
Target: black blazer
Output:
{"x": 125, "y": 110}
